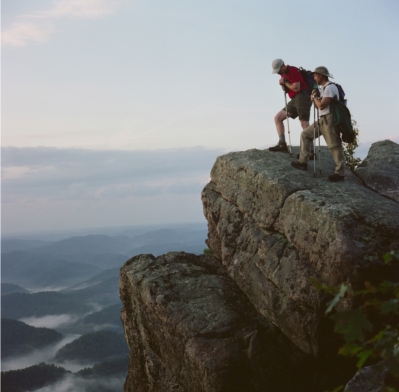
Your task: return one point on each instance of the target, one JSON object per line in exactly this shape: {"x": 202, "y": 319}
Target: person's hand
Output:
{"x": 282, "y": 81}
{"x": 315, "y": 94}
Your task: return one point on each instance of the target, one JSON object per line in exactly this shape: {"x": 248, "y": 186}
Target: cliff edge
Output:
{"x": 275, "y": 228}
{"x": 248, "y": 317}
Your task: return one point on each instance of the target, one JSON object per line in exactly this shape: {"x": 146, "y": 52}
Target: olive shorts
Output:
{"x": 300, "y": 106}
{"x": 332, "y": 138}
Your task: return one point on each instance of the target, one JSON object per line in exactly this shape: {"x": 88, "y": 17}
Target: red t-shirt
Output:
{"x": 294, "y": 76}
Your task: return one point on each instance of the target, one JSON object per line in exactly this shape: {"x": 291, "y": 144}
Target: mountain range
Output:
{"x": 61, "y": 307}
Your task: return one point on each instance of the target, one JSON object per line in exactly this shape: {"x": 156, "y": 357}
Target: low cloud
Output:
{"x": 45, "y": 354}
{"x": 49, "y": 321}
{"x": 72, "y": 366}
{"x": 73, "y": 174}
{"x": 53, "y": 189}
{"x": 38, "y": 26}
{"x": 77, "y": 384}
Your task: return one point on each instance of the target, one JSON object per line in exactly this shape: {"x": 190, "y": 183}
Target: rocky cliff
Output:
{"x": 248, "y": 317}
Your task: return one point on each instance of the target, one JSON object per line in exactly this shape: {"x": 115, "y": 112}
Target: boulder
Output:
{"x": 276, "y": 228}
{"x": 380, "y": 169}
{"x": 368, "y": 379}
{"x": 190, "y": 328}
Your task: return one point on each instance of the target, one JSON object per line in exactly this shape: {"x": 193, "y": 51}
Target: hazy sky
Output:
{"x": 113, "y": 111}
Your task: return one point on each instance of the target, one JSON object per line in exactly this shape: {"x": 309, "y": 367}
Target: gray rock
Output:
{"x": 190, "y": 328}
{"x": 380, "y": 169}
{"x": 248, "y": 318}
{"x": 275, "y": 228}
{"x": 368, "y": 379}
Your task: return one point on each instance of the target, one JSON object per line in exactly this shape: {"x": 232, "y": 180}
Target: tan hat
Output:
{"x": 323, "y": 71}
{"x": 276, "y": 64}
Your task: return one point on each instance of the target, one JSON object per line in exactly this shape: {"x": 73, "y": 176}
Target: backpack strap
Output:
{"x": 335, "y": 97}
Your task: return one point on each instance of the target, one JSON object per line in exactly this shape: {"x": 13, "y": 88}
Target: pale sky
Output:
{"x": 171, "y": 83}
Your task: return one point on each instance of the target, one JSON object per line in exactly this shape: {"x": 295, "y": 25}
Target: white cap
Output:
{"x": 276, "y": 64}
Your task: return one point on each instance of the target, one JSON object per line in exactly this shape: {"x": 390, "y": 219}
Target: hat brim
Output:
{"x": 324, "y": 74}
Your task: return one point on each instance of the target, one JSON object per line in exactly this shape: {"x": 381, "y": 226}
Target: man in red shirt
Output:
{"x": 292, "y": 82}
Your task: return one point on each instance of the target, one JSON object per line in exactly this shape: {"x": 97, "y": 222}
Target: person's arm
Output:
{"x": 296, "y": 86}
{"x": 321, "y": 103}
{"x": 328, "y": 96}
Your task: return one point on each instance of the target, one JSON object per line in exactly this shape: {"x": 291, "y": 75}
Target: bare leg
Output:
{"x": 278, "y": 120}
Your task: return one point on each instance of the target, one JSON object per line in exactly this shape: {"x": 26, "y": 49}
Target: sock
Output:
{"x": 281, "y": 138}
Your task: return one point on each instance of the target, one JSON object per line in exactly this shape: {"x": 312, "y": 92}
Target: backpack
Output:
{"x": 308, "y": 78}
{"x": 342, "y": 116}
{"x": 341, "y": 93}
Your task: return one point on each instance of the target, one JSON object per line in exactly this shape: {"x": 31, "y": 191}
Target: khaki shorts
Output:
{"x": 300, "y": 106}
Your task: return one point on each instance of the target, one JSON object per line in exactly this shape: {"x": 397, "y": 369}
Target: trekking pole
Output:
{"x": 288, "y": 123}
{"x": 314, "y": 140}
{"x": 318, "y": 129}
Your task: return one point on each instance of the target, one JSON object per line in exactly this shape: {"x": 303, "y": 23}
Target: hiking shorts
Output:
{"x": 300, "y": 106}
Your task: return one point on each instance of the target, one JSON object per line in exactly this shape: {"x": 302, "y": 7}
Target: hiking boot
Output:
{"x": 299, "y": 165}
{"x": 312, "y": 156}
{"x": 335, "y": 177}
{"x": 281, "y": 147}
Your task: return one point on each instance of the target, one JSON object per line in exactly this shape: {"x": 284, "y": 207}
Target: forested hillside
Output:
{"x": 61, "y": 305}
{"x": 95, "y": 346}
{"x": 19, "y": 338}
{"x": 20, "y": 305}
{"x": 31, "y": 378}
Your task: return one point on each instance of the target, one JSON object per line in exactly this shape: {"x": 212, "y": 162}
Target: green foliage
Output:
{"x": 370, "y": 331}
{"x": 388, "y": 257}
{"x": 207, "y": 251}
{"x": 94, "y": 346}
{"x": 351, "y": 323}
{"x": 32, "y": 377}
{"x": 341, "y": 294}
{"x": 349, "y": 149}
